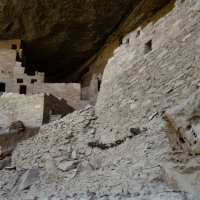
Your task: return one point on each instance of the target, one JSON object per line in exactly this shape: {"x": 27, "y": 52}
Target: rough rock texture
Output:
{"x": 183, "y": 130}
{"x": 132, "y": 170}
{"x": 15, "y": 126}
{"x": 60, "y": 34}
{"x": 152, "y": 70}
{"x": 8, "y": 141}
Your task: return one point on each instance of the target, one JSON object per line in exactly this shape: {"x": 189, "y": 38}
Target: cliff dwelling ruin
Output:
{"x": 100, "y": 100}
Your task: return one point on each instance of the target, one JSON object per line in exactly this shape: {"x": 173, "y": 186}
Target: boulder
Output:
{"x": 67, "y": 165}
{"x": 182, "y": 128}
{"x": 29, "y": 178}
{"x": 95, "y": 162}
{"x": 15, "y": 126}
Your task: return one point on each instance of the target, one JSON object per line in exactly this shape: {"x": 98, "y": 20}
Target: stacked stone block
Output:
{"x": 32, "y": 110}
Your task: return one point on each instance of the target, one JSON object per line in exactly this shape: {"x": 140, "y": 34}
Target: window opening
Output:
{"x": 14, "y": 46}
{"x": 2, "y": 87}
{"x": 22, "y": 89}
{"x": 127, "y": 41}
{"x": 33, "y": 81}
{"x": 148, "y": 47}
{"x": 120, "y": 40}
{"x": 99, "y": 84}
{"x": 138, "y": 34}
{"x": 19, "y": 80}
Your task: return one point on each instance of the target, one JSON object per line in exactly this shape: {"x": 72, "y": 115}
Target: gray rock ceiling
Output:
{"x": 60, "y": 35}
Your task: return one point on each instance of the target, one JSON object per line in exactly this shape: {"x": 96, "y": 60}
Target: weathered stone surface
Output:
{"x": 95, "y": 162}
{"x": 183, "y": 130}
{"x": 67, "y": 165}
{"x": 8, "y": 141}
{"x": 4, "y": 162}
{"x": 135, "y": 168}
{"x": 29, "y": 178}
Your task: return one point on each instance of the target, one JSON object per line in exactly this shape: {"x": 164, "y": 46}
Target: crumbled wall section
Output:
{"x": 8, "y": 104}
{"x": 30, "y": 109}
{"x": 54, "y": 106}
{"x": 33, "y": 110}
{"x": 71, "y": 92}
{"x": 138, "y": 85}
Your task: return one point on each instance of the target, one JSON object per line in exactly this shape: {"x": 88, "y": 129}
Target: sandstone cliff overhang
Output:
{"x": 58, "y": 36}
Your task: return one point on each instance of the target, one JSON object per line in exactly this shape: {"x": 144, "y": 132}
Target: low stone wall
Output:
{"x": 54, "y": 106}
{"x": 71, "y": 92}
{"x": 32, "y": 110}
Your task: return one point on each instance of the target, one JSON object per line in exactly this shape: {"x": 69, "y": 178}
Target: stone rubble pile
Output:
{"x": 70, "y": 169}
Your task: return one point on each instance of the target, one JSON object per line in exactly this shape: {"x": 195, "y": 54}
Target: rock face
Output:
{"x": 183, "y": 130}
{"x": 61, "y": 35}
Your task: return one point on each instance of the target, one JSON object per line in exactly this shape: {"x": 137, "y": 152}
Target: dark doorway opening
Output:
{"x": 33, "y": 81}
{"x": 2, "y": 87}
{"x": 14, "y": 46}
{"x": 148, "y": 47}
{"x": 22, "y": 89}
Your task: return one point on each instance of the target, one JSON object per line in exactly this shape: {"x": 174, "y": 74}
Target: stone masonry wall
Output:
{"x": 54, "y": 106}
{"x": 152, "y": 70}
{"x": 8, "y": 104}
{"x": 30, "y": 109}
{"x": 71, "y": 92}
{"x": 12, "y": 44}
{"x": 14, "y": 79}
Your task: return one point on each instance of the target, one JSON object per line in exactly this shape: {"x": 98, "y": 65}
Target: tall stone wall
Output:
{"x": 97, "y": 63}
{"x": 152, "y": 70}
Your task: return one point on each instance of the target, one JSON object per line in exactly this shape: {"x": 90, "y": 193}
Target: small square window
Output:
{"x": 19, "y": 80}
{"x": 33, "y": 81}
{"x": 148, "y": 47}
{"x": 14, "y": 46}
{"x": 127, "y": 41}
{"x": 2, "y": 87}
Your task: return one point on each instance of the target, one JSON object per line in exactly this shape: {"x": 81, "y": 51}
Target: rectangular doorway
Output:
{"x": 2, "y": 87}
{"x": 22, "y": 89}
